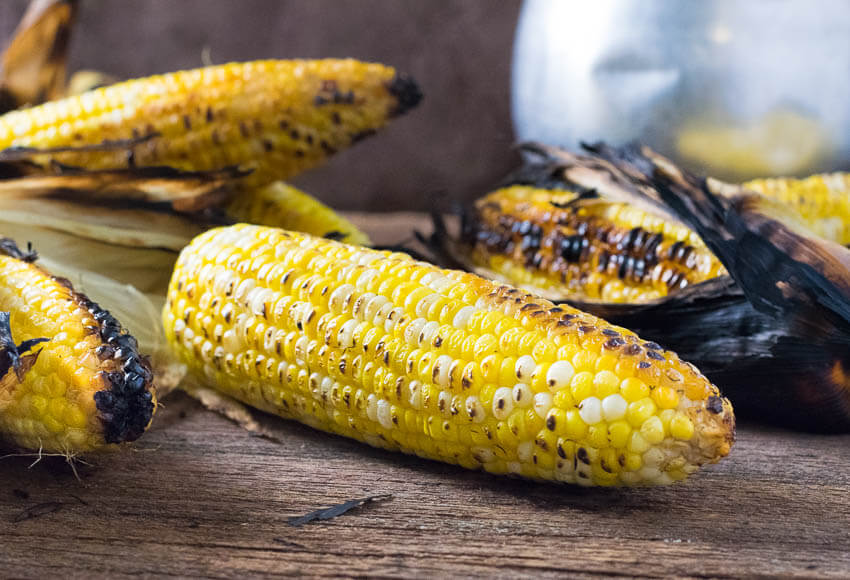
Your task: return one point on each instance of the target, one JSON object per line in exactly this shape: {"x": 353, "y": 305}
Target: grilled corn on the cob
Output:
{"x": 776, "y": 338}
{"x": 406, "y": 356}
{"x": 562, "y": 247}
{"x": 283, "y": 206}
{"x": 823, "y": 201}
{"x": 71, "y": 380}
{"x": 276, "y": 117}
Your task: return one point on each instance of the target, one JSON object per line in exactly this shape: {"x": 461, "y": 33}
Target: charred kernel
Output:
{"x": 522, "y": 395}
{"x": 502, "y": 402}
{"x": 715, "y": 405}
{"x": 556, "y": 420}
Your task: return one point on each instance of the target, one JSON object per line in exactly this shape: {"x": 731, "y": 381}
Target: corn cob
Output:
{"x": 444, "y": 364}
{"x": 284, "y": 206}
{"x": 76, "y": 382}
{"x": 556, "y": 245}
{"x": 275, "y": 117}
{"x": 823, "y": 201}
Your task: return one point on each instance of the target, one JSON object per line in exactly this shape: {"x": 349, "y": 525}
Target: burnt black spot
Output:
{"x": 551, "y": 422}
{"x": 644, "y": 364}
{"x": 209, "y": 114}
{"x": 581, "y": 454}
{"x": 653, "y": 346}
{"x": 11, "y": 249}
{"x": 406, "y": 91}
{"x": 632, "y": 350}
{"x": 654, "y": 355}
{"x": 613, "y": 343}
{"x": 610, "y": 332}
{"x": 715, "y": 405}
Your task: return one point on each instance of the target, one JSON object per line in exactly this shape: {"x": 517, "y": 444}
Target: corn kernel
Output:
{"x": 633, "y": 389}
{"x": 619, "y": 433}
{"x": 652, "y": 430}
{"x": 665, "y": 397}
{"x": 581, "y": 386}
{"x": 681, "y": 427}
{"x": 639, "y": 411}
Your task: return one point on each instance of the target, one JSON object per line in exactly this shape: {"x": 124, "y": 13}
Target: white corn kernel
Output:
{"x": 590, "y": 410}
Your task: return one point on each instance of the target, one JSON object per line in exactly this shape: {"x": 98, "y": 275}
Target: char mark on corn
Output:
{"x": 447, "y": 365}
{"x": 549, "y": 240}
{"x": 87, "y": 386}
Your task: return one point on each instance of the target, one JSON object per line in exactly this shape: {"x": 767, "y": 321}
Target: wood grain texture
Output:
{"x": 199, "y": 497}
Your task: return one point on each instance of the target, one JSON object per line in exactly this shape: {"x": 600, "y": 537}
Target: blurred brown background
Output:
{"x": 457, "y": 143}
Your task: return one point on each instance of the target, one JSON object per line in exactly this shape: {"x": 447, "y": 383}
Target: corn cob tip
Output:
{"x": 87, "y": 386}
{"x": 406, "y": 91}
{"x": 127, "y": 404}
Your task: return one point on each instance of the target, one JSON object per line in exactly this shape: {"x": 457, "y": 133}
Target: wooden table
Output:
{"x": 197, "y": 496}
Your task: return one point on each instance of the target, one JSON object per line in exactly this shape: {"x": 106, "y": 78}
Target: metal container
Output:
{"x": 731, "y": 88}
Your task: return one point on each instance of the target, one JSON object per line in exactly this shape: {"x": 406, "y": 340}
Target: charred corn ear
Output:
{"x": 557, "y": 245}
{"x": 283, "y": 206}
{"x": 71, "y": 380}
{"x": 823, "y": 201}
{"x": 444, "y": 364}
{"x": 274, "y": 117}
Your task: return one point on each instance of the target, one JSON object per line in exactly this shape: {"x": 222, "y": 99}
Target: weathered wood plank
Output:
{"x": 199, "y": 497}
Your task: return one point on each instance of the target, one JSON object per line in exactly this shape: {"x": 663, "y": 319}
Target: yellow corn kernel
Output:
{"x": 75, "y": 382}
{"x": 665, "y": 397}
{"x": 640, "y": 411}
{"x": 681, "y": 427}
{"x": 465, "y": 419}
{"x": 605, "y": 383}
{"x": 633, "y": 389}
{"x": 581, "y": 386}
